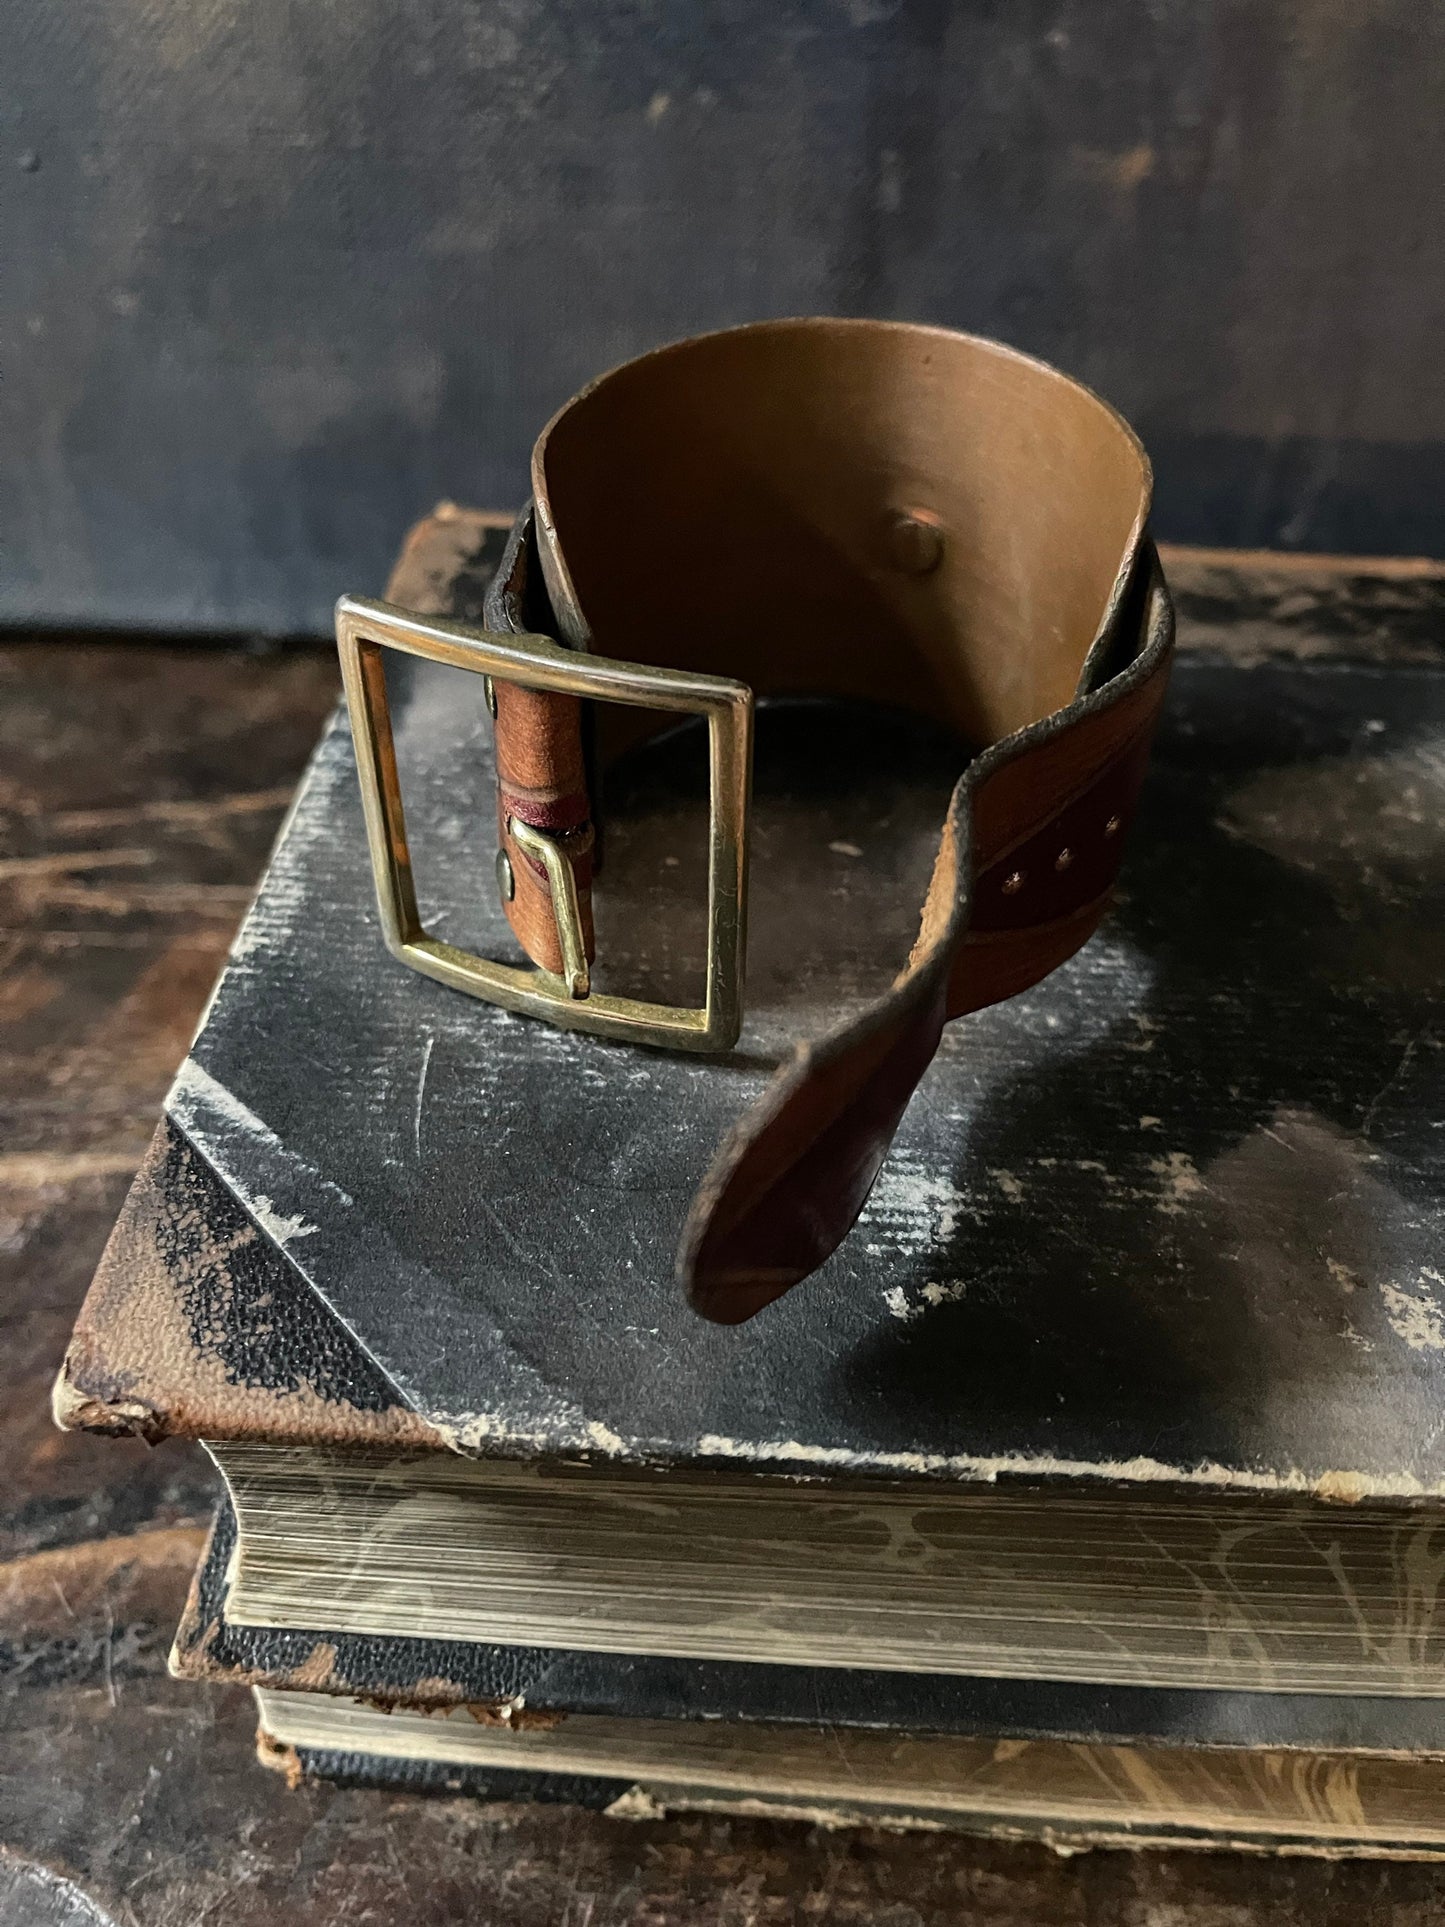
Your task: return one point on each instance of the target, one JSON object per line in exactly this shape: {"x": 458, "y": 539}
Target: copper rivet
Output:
{"x": 1013, "y": 883}
{"x": 506, "y": 880}
{"x": 915, "y": 542}
{"x": 1111, "y": 828}
{"x": 489, "y": 689}
{"x": 1063, "y": 859}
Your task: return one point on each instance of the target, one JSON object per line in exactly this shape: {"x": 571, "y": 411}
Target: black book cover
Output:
{"x": 1172, "y": 1220}
{"x": 1328, "y": 1825}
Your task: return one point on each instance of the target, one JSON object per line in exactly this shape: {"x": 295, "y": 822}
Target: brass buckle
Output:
{"x": 364, "y": 629}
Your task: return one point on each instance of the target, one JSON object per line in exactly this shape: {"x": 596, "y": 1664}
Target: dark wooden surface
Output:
{"x": 139, "y": 788}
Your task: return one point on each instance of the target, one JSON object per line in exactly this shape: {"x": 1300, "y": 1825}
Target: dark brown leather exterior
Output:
{"x": 877, "y": 511}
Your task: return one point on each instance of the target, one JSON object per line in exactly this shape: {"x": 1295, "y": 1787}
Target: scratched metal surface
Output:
{"x": 1178, "y": 1208}
{"x": 277, "y": 278}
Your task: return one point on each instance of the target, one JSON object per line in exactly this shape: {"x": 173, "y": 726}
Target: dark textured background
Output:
{"x": 278, "y": 275}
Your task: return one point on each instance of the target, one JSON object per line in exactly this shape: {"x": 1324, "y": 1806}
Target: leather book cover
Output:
{"x": 1314, "y": 1812}
{"x": 440, "y": 1777}
{"x": 522, "y": 1685}
{"x": 1169, "y": 1222}
{"x": 1066, "y": 1794}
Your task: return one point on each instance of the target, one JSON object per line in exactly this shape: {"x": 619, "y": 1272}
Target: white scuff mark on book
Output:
{"x": 193, "y": 1092}
{"x": 986, "y": 1470}
{"x": 421, "y": 1093}
{"x": 1181, "y": 1181}
{"x": 912, "y": 1208}
{"x": 936, "y": 1292}
{"x": 277, "y": 1225}
{"x": 635, "y": 1804}
{"x": 1417, "y": 1316}
{"x": 271, "y": 922}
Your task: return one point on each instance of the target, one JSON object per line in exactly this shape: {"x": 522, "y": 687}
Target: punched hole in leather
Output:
{"x": 893, "y": 516}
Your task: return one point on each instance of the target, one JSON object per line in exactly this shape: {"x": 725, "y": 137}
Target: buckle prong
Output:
{"x": 566, "y": 910}
{"x": 363, "y": 630}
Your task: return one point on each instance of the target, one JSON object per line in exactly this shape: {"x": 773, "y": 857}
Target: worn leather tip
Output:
{"x": 731, "y": 1296}
{"x": 796, "y": 1170}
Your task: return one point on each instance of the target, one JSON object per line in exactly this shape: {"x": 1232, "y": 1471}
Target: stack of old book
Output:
{"x": 1092, "y": 1491}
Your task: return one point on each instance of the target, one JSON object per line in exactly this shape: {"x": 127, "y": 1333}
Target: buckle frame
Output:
{"x": 364, "y": 628}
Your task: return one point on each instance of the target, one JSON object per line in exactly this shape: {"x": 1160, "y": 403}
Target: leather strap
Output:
{"x": 871, "y": 510}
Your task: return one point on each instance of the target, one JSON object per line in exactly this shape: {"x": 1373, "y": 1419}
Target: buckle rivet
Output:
{"x": 915, "y": 541}
{"x": 506, "y": 878}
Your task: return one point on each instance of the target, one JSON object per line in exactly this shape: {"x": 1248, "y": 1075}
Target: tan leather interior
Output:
{"x": 877, "y": 511}
{"x": 733, "y": 504}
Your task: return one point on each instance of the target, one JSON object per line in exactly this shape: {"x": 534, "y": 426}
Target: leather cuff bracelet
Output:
{"x": 871, "y": 510}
